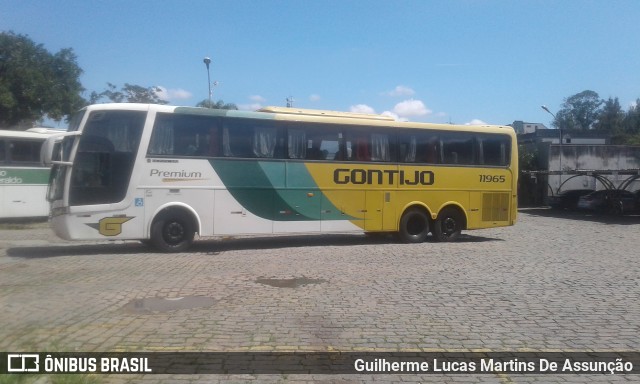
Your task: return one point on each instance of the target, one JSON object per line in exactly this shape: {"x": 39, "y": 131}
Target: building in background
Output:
{"x": 557, "y": 161}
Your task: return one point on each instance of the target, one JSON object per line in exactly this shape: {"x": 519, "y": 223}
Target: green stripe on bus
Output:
{"x": 275, "y": 191}
{"x": 24, "y": 176}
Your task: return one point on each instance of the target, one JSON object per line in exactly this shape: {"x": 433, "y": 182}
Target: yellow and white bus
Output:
{"x": 23, "y": 180}
{"x": 163, "y": 174}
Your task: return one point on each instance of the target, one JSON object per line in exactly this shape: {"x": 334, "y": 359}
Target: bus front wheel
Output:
{"x": 414, "y": 226}
{"x": 172, "y": 232}
{"x": 448, "y": 225}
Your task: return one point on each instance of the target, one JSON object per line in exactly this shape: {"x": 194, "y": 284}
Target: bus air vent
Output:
{"x": 495, "y": 206}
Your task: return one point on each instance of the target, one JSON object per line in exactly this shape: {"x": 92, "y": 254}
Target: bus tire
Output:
{"x": 448, "y": 225}
{"x": 414, "y": 226}
{"x": 172, "y": 232}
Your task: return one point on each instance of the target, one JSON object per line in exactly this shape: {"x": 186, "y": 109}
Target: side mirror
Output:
{"x": 51, "y": 150}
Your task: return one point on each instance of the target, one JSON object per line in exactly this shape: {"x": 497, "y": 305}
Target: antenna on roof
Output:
{"x": 290, "y": 101}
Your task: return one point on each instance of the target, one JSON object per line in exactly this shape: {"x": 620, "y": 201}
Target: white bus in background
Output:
{"x": 23, "y": 180}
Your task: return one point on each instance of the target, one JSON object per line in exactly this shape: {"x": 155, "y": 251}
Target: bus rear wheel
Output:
{"x": 448, "y": 225}
{"x": 414, "y": 226}
{"x": 172, "y": 232}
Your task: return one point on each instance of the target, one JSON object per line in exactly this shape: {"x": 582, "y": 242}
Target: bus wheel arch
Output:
{"x": 449, "y": 224}
{"x": 415, "y": 224}
{"x": 173, "y": 228}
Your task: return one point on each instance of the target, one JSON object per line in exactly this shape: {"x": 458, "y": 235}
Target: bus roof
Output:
{"x": 308, "y": 115}
{"x": 32, "y": 133}
{"x": 319, "y": 112}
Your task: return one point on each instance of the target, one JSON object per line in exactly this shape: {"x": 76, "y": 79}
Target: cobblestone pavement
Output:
{"x": 569, "y": 283}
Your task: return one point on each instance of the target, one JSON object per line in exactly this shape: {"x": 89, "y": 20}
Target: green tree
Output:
{"x": 130, "y": 93}
{"x": 217, "y": 105}
{"x": 579, "y": 112}
{"x": 35, "y": 84}
{"x": 528, "y": 158}
{"x": 632, "y": 119}
{"x": 611, "y": 117}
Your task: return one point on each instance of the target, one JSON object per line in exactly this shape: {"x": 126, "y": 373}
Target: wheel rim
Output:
{"x": 449, "y": 226}
{"x": 174, "y": 233}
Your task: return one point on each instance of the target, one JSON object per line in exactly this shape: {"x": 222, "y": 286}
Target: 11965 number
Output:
{"x": 492, "y": 179}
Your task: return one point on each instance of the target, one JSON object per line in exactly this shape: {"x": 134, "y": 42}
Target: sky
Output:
{"x": 455, "y": 61}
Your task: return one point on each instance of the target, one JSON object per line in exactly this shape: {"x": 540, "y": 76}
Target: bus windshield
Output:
{"x": 105, "y": 156}
{"x": 103, "y": 160}
{"x": 62, "y": 152}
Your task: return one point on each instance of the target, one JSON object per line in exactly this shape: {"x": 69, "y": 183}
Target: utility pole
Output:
{"x": 560, "y": 137}
{"x": 207, "y": 61}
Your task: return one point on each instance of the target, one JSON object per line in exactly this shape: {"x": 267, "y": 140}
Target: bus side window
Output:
{"x": 494, "y": 150}
{"x": 214, "y": 142}
{"x": 205, "y": 137}
{"x": 407, "y": 147}
{"x": 186, "y": 145}
{"x": 163, "y": 136}
{"x": 296, "y": 144}
{"x": 419, "y": 147}
{"x": 3, "y": 155}
{"x": 323, "y": 144}
{"x": 25, "y": 151}
{"x": 459, "y": 148}
{"x": 242, "y": 138}
{"x": 358, "y": 148}
{"x": 432, "y": 150}
{"x": 364, "y": 145}
{"x": 362, "y": 149}
{"x": 264, "y": 141}
{"x": 181, "y": 135}
{"x": 313, "y": 151}
{"x": 380, "y": 147}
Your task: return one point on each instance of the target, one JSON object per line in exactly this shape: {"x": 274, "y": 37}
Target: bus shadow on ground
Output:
{"x": 218, "y": 245}
{"x": 603, "y": 218}
{"x": 301, "y": 241}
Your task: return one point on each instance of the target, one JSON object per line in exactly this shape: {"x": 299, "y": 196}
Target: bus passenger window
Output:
{"x": 182, "y": 135}
{"x": 407, "y": 146}
{"x": 459, "y": 148}
{"x": 432, "y": 151}
{"x": 186, "y": 145}
{"x": 236, "y": 140}
{"x": 419, "y": 147}
{"x": 367, "y": 146}
{"x": 358, "y": 148}
{"x": 264, "y": 141}
{"x": 25, "y": 151}
{"x": 495, "y": 150}
{"x": 297, "y": 144}
{"x": 214, "y": 142}
{"x": 323, "y": 145}
{"x": 380, "y": 150}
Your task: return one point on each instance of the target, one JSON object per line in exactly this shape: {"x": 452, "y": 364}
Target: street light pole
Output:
{"x": 554, "y": 118}
{"x": 559, "y": 157}
{"x": 207, "y": 61}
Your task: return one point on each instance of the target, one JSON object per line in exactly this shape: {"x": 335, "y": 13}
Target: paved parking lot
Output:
{"x": 550, "y": 283}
